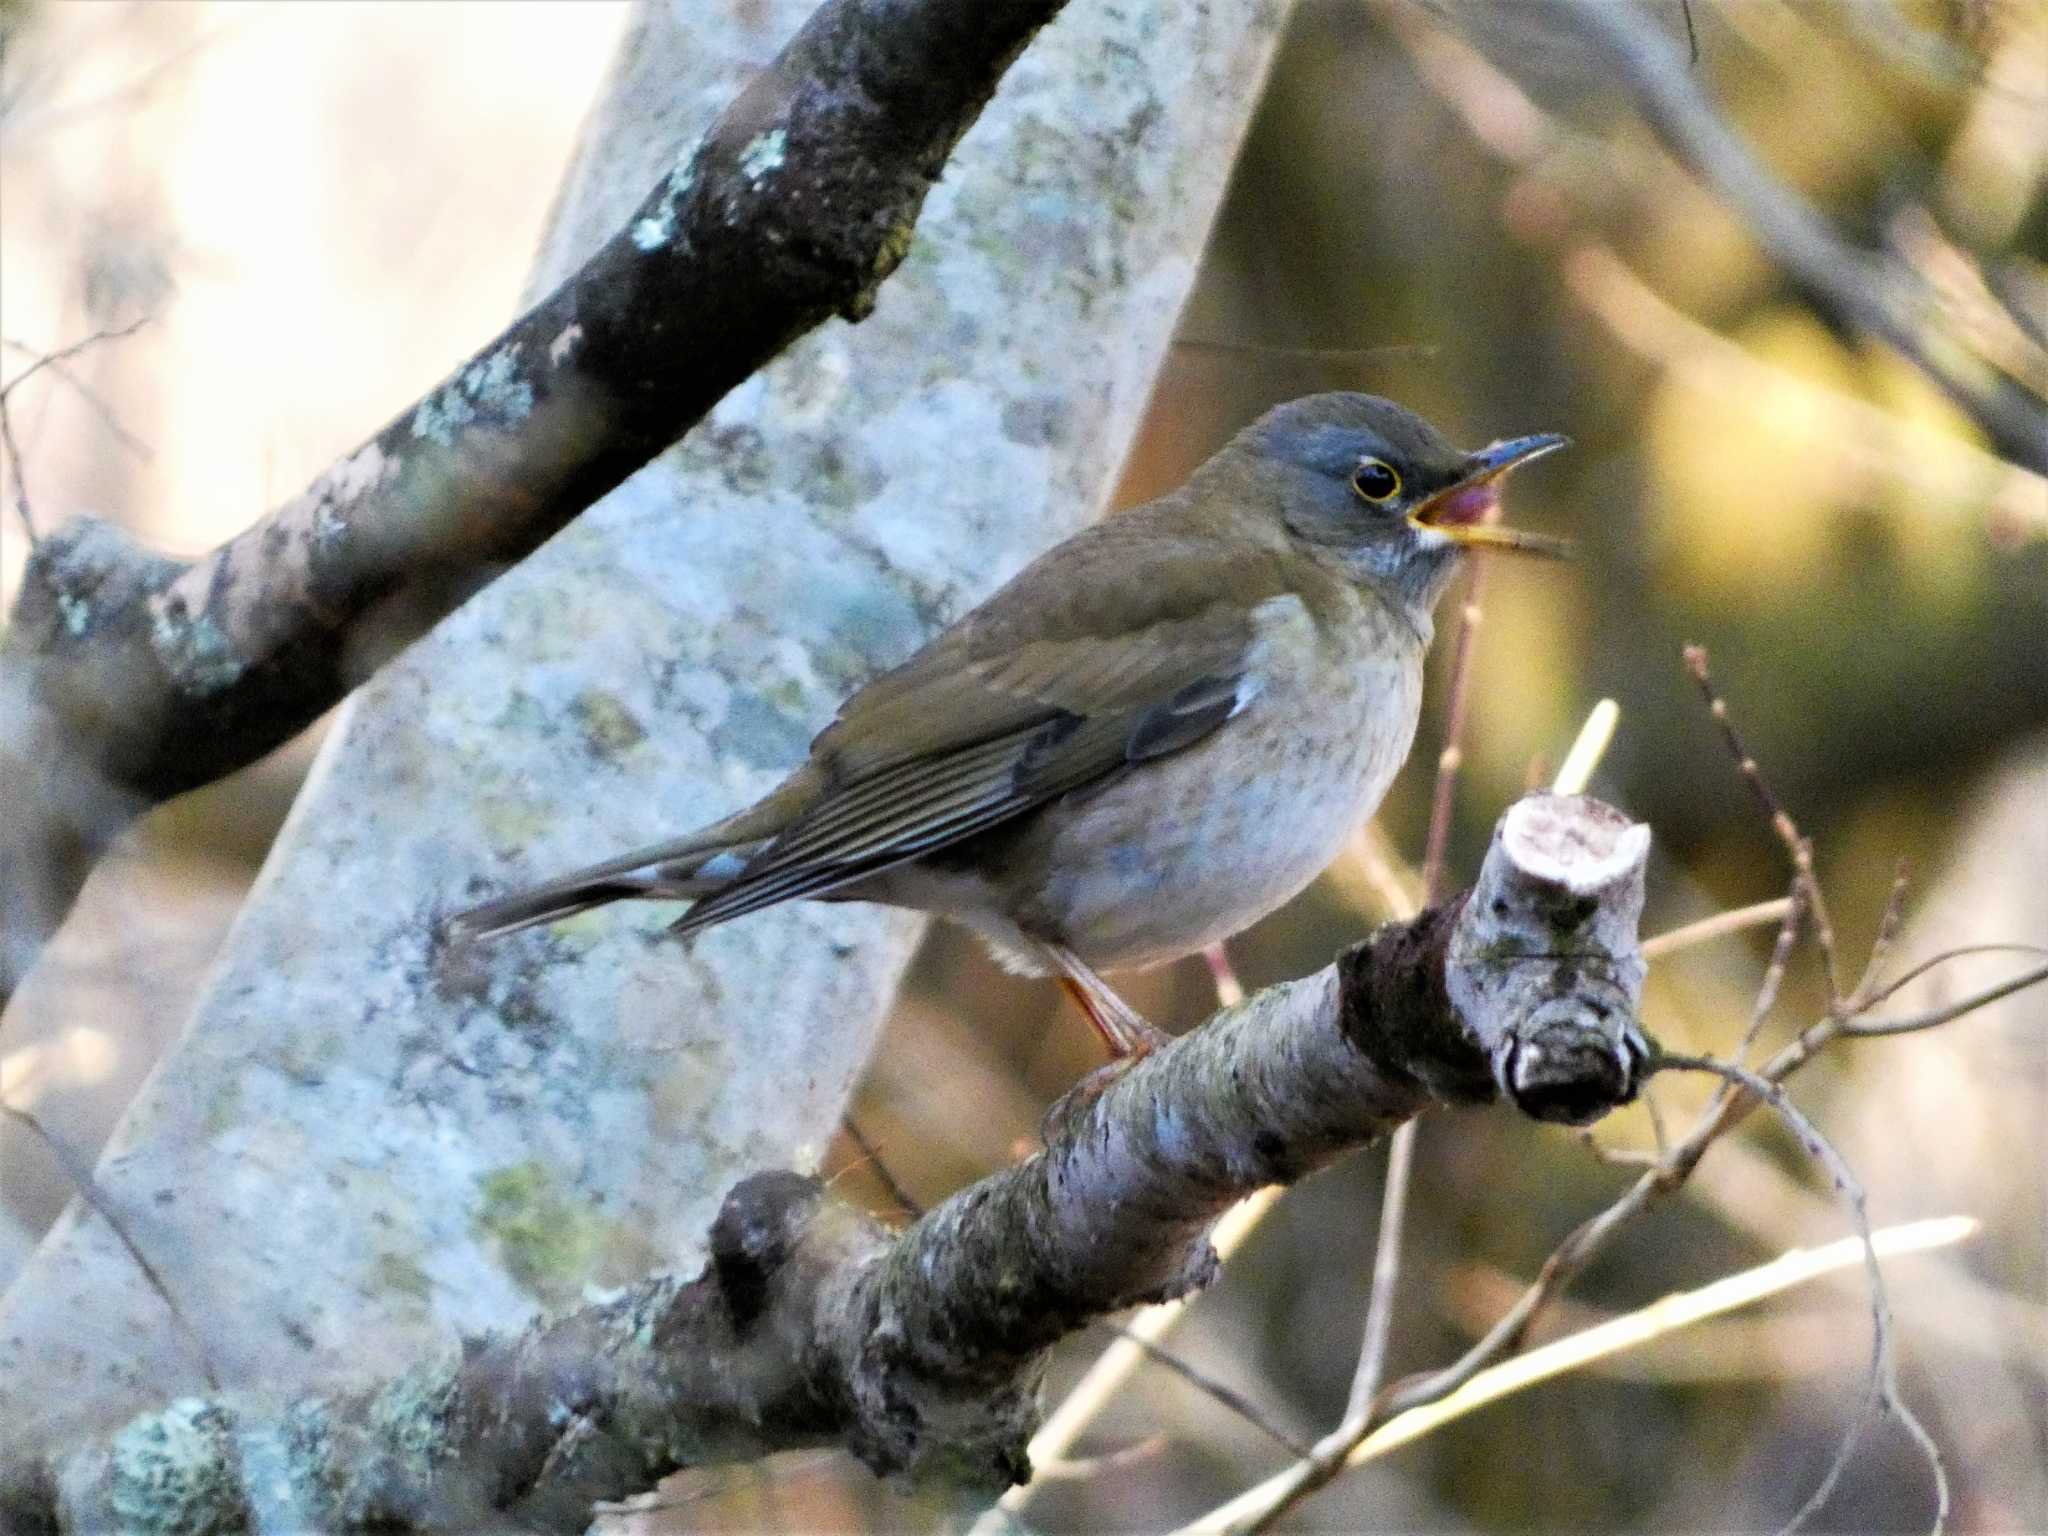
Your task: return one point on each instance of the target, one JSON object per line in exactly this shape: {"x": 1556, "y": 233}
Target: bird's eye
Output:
{"x": 1376, "y": 480}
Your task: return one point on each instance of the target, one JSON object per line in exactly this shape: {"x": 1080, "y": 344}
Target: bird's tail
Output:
{"x": 682, "y": 869}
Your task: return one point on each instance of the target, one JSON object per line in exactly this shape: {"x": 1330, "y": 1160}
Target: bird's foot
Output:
{"x": 1124, "y": 1030}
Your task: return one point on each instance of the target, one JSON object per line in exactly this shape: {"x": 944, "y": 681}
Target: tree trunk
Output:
{"x": 364, "y": 1142}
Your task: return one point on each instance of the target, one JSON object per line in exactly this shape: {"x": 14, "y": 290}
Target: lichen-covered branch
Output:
{"x": 138, "y": 678}
{"x": 921, "y": 1350}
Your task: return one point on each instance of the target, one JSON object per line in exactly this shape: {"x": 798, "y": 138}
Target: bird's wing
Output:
{"x": 1038, "y": 693}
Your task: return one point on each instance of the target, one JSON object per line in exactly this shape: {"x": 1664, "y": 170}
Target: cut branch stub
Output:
{"x": 1545, "y": 968}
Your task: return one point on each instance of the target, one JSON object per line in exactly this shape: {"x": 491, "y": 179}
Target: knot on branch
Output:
{"x": 1544, "y": 966}
{"x": 759, "y": 1227}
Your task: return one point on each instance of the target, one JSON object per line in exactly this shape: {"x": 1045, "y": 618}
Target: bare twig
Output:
{"x": 1374, "y": 876}
{"x": 1082, "y": 1468}
{"x": 1386, "y": 1272}
{"x": 1961, "y": 951}
{"x": 1416, "y": 350}
{"x": 1787, "y": 831}
{"x": 1221, "y": 1391}
{"x": 905, "y": 1201}
{"x": 1888, "y": 922}
{"x": 1115, "y": 1365}
{"x": 1229, "y": 990}
{"x": 1774, "y": 973}
{"x": 1869, "y": 439}
{"x": 1578, "y": 1350}
{"x": 1509, "y": 124}
{"x": 1587, "y": 749}
{"x": 13, "y": 447}
{"x": 64, "y": 354}
{"x": 92, "y": 397}
{"x": 87, "y": 1188}
{"x": 1259, "y": 1507}
{"x": 1884, "y": 1387}
{"x": 1444, "y": 797}
{"x": 1386, "y": 1262}
{"x": 1719, "y": 926}
{"x": 1933, "y": 1018}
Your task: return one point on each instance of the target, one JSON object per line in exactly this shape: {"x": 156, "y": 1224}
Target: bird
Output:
{"x": 1156, "y": 733}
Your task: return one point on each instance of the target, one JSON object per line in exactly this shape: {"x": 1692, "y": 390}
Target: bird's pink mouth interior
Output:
{"x": 1462, "y": 507}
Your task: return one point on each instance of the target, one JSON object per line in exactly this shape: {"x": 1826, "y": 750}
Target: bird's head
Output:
{"x": 1372, "y": 488}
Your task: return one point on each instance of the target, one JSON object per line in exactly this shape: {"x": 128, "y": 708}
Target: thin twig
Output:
{"x": 1884, "y": 1382}
{"x": 1796, "y": 846}
{"x": 1386, "y": 1272}
{"x": 1774, "y": 973}
{"x": 21, "y": 503}
{"x": 1372, "y": 874}
{"x": 1080, "y": 1468}
{"x": 106, "y": 413}
{"x": 1259, "y": 1507}
{"x": 44, "y": 360}
{"x": 1422, "y": 351}
{"x": 1865, "y": 441}
{"x": 88, "y": 1190}
{"x": 1100, "y": 1383}
{"x": 1892, "y": 988}
{"x": 1719, "y": 926}
{"x": 1870, "y": 291}
{"x": 1587, "y": 749}
{"x": 1881, "y": 948}
{"x": 1934, "y": 1017}
{"x": 1225, "y": 1394}
{"x": 905, "y": 1202}
{"x": 1443, "y": 799}
{"x": 1575, "y": 1351}
{"x": 66, "y": 353}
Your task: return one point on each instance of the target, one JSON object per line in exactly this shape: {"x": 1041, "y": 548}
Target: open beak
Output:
{"x": 1464, "y": 510}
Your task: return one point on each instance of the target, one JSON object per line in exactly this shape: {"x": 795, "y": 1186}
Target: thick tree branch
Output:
{"x": 127, "y": 679}
{"x": 921, "y": 1350}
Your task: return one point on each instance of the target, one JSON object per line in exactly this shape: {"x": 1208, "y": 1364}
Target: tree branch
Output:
{"x": 144, "y": 677}
{"x": 921, "y": 1351}
{"x": 1869, "y": 290}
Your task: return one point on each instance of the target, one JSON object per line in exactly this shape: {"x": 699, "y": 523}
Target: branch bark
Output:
{"x": 127, "y": 679}
{"x": 921, "y": 1351}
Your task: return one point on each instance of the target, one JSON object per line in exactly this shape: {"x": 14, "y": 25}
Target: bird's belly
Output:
{"x": 1190, "y": 849}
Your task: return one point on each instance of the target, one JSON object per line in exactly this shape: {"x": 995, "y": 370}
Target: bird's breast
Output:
{"x": 1188, "y": 849}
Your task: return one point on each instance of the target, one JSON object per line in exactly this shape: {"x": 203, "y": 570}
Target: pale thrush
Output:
{"x": 1155, "y": 734}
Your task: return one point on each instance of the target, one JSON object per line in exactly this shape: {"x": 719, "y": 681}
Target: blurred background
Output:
{"x": 318, "y": 208}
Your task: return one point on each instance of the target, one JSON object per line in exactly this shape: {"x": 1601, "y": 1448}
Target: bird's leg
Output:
{"x": 1127, "y": 1032}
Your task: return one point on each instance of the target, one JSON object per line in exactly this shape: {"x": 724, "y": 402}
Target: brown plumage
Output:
{"x": 1156, "y": 732}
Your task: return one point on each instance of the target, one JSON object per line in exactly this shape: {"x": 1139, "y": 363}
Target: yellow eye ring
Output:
{"x": 1376, "y": 480}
